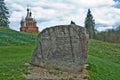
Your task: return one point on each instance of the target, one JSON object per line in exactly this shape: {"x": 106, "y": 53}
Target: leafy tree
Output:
{"x": 4, "y": 14}
{"x": 90, "y": 24}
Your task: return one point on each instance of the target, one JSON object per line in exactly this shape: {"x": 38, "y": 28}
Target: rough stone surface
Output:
{"x": 62, "y": 47}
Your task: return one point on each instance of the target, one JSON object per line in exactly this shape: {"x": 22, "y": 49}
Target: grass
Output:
{"x": 15, "y": 49}
{"x": 12, "y": 59}
{"x": 103, "y": 58}
{"x": 11, "y": 37}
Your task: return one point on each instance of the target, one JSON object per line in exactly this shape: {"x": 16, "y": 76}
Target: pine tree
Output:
{"x": 4, "y": 22}
{"x": 90, "y": 24}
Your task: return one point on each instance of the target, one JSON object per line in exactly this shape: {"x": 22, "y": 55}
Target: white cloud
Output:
{"x": 17, "y": 7}
{"x": 106, "y": 15}
{"x": 102, "y": 28}
{"x": 55, "y": 12}
{"x": 16, "y": 16}
{"x": 94, "y": 3}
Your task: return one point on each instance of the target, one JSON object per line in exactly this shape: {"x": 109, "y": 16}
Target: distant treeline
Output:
{"x": 110, "y": 35}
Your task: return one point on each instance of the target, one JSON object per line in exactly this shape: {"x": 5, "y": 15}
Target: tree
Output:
{"x": 4, "y": 14}
{"x": 90, "y": 24}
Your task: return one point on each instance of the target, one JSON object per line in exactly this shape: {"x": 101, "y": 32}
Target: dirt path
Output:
{"x": 38, "y": 73}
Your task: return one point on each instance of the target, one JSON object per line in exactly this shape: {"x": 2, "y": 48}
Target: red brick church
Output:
{"x": 28, "y": 24}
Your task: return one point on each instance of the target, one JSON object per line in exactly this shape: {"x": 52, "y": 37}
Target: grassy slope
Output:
{"x": 103, "y": 58}
{"x": 12, "y": 59}
{"x": 15, "y": 49}
{"x": 11, "y": 37}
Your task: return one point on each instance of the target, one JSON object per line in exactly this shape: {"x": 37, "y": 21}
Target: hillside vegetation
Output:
{"x": 16, "y": 49}
{"x": 104, "y": 60}
{"x": 11, "y": 37}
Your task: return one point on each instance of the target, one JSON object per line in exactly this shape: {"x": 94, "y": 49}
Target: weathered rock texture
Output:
{"x": 61, "y": 47}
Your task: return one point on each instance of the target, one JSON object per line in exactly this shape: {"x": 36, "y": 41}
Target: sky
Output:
{"x": 60, "y": 12}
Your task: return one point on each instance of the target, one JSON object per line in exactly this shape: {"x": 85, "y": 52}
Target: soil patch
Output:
{"x": 39, "y": 73}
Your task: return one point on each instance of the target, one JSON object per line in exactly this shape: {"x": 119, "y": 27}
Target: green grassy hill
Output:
{"x": 16, "y": 49}
{"x": 104, "y": 60}
{"x": 11, "y": 37}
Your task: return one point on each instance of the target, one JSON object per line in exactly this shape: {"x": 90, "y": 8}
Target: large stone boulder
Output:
{"x": 62, "y": 47}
